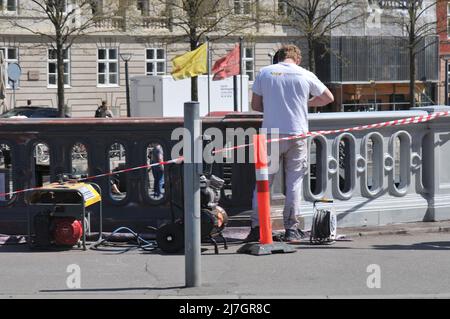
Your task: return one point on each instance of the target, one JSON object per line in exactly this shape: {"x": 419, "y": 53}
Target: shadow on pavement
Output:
{"x": 434, "y": 245}
{"x": 24, "y": 248}
{"x": 311, "y": 247}
{"x": 207, "y": 250}
{"x": 112, "y": 289}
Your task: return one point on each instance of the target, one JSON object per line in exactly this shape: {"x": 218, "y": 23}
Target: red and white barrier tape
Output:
{"x": 406, "y": 121}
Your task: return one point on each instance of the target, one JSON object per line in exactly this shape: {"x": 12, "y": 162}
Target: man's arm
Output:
{"x": 321, "y": 100}
{"x": 257, "y": 103}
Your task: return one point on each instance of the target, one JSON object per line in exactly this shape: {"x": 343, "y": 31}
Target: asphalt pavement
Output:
{"x": 367, "y": 265}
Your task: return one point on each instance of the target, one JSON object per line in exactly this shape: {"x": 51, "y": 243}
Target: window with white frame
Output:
{"x": 8, "y": 6}
{"x": 155, "y": 61}
{"x": 143, "y": 7}
{"x": 97, "y": 7}
{"x": 205, "y": 9}
{"x": 53, "y": 68}
{"x": 248, "y": 62}
{"x": 11, "y": 55}
{"x": 108, "y": 67}
{"x": 65, "y": 6}
{"x": 283, "y": 8}
{"x": 242, "y": 6}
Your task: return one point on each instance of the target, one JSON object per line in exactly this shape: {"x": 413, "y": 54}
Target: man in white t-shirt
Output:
{"x": 282, "y": 91}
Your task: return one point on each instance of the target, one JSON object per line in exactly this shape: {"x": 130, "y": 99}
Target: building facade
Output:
{"x": 93, "y": 68}
{"x": 368, "y": 67}
{"x": 365, "y": 62}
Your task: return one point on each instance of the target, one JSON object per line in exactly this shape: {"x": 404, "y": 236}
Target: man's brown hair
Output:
{"x": 289, "y": 51}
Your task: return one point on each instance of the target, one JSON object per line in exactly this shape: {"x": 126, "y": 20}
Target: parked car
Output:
{"x": 32, "y": 112}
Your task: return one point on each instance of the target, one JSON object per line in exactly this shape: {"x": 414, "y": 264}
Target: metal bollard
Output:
{"x": 192, "y": 169}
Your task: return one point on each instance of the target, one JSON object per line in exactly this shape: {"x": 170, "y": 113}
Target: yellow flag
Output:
{"x": 190, "y": 64}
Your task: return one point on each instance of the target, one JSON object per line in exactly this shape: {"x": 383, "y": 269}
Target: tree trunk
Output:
{"x": 194, "y": 80}
{"x": 412, "y": 54}
{"x": 194, "y": 88}
{"x": 412, "y": 79}
{"x": 311, "y": 55}
{"x": 60, "y": 78}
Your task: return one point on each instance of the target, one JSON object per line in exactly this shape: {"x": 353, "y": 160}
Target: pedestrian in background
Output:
{"x": 282, "y": 92}
{"x": 102, "y": 110}
{"x": 157, "y": 156}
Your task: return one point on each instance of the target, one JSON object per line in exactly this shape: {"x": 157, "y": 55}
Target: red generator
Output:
{"x": 66, "y": 231}
{"x": 59, "y": 214}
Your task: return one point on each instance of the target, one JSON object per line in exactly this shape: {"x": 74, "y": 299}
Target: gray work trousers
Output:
{"x": 293, "y": 155}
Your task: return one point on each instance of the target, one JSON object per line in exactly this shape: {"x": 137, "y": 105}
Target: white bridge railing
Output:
{"x": 379, "y": 176}
{"x": 389, "y": 175}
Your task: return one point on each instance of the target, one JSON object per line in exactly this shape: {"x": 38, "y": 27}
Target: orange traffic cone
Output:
{"x": 266, "y": 245}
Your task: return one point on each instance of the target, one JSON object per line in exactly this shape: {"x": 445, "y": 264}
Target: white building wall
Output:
{"x": 84, "y": 94}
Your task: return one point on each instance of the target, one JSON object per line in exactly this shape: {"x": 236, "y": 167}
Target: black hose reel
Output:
{"x": 324, "y": 224}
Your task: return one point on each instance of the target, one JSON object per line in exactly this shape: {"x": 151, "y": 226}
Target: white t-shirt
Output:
{"x": 286, "y": 88}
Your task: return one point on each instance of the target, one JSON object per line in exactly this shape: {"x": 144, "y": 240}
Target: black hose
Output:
{"x": 141, "y": 243}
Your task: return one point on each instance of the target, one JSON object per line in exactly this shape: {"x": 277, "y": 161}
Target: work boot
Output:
{"x": 292, "y": 236}
{"x": 253, "y": 236}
